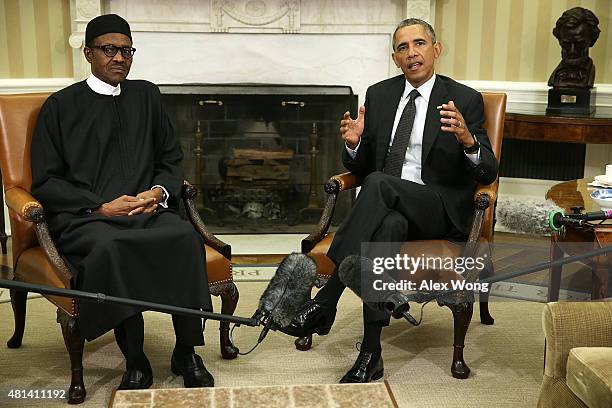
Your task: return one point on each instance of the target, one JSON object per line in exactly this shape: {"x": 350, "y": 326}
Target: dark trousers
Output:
{"x": 130, "y": 337}
{"x": 387, "y": 209}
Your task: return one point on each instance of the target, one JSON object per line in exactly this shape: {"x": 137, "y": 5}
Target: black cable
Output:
{"x": 266, "y": 327}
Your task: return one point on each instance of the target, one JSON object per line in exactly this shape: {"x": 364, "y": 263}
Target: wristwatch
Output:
{"x": 473, "y": 148}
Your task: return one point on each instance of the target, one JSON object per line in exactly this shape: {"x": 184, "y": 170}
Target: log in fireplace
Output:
{"x": 260, "y": 154}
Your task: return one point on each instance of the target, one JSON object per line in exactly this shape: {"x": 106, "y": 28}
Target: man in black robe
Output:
{"x": 106, "y": 167}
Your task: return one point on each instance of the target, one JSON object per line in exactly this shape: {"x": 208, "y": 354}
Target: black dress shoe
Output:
{"x": 314, "y": 317}
{"x": 368, "y": 367}
{"x": 136, "y": 380}
{"x": 193, "y": 371}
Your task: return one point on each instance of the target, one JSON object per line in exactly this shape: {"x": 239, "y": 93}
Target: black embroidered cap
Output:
{"x": 104, "y": 24}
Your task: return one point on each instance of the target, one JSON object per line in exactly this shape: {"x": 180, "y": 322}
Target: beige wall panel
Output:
{"x": 601, "y": 53}
{"x": 29, "y": 46}
{"x": 501, "y": 34}
{"x": 445, "y": 33}
{"x": 474, "y": 30}
{"x": 34, "y": 39}
{"x": 13, "y": 38}
{"x": 514, "y": 57}
{"x": 4, "y": 54}
{"x": 43, "y": 44}
{"x": 511, "y": 40}
{"x": 529, "y": 48}
{"x": 460, "y": 37}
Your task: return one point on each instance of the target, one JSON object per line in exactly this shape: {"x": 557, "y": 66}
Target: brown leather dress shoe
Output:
{"x": 136, "y": 380}
{"x": 368, "y": 367}
{"x": 193, "y": 371}
{"x": 314, "y": 317}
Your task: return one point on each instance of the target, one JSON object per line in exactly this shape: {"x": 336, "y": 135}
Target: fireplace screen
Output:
{"x": 260, "y": 154}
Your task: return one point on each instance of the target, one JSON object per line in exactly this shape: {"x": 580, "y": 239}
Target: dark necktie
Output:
{"x": 395, "y": 159}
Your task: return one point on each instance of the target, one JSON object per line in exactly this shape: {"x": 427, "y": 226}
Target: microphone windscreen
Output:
{"x": 524, "y": 215}
{"x": 349, "y": 271}
{"x": 289, "y": 288}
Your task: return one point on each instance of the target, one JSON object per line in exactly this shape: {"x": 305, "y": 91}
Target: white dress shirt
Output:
{"x": 411, "y": 169}
{"x": 101, "y": 87}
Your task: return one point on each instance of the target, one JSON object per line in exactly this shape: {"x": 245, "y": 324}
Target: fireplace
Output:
{"x": 320, "y": 43}
{"x": 260, "y": 154}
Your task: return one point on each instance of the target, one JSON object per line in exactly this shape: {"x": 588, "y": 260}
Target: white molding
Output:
{"x": 534, "y": 93}
{"x": 32, "y": 85}
{"x": 423, "y": 9}
{"x": 524, "y": 187}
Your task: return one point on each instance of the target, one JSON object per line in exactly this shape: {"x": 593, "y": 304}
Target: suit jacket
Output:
{"x": 445, "y": 167}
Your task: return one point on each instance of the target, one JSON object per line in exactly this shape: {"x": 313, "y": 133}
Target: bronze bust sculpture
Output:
{"x": 576, "y": 31}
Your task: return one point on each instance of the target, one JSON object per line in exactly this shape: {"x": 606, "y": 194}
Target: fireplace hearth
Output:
{"x": 260, "y": 154}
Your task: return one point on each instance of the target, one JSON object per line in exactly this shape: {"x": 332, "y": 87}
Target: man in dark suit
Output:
{"x": 419, "y": 145}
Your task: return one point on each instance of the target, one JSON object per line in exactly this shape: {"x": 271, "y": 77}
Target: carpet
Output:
{"x": 5, "y": 295}
{"x": 506, "y": 359}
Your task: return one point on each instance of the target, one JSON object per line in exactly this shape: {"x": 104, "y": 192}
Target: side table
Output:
{"x": 573, "y": 241}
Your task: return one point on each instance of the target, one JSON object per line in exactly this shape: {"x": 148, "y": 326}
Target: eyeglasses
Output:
{"x": 110, "y": 50}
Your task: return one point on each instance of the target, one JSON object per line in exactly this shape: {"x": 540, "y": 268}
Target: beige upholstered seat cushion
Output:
{"x": 589, "y": 375}
{"x": 574, "y": 324}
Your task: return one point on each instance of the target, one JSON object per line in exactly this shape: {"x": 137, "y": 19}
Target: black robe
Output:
{"x": 89, "y": 149}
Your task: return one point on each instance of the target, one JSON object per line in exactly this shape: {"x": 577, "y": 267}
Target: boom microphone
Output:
{"x": 528, "y": 216}
{"x": 393, "y": 302}
{"x": 540, "y": 217}
{"x": 103, "y": 298}
{"x": 287, "y": 292}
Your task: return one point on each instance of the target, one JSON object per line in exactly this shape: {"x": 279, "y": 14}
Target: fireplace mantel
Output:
{"x": 323, "y": 42}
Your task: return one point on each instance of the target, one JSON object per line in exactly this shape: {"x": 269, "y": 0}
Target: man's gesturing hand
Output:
{"x": 453, "y": 122}
{"x": 350, "y": 129}
{"x": 126, "y": 205}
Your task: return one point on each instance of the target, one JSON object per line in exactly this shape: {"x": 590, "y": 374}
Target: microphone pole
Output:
{"x": 546, "y": 265}
{"x": 102, "y": 298}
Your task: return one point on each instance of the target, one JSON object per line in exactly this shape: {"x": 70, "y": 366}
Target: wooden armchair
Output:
{"x": 36, "y": 260}
{"x": 318, "y": 242}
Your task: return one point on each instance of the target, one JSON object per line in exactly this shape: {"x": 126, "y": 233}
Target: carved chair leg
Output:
{"x": 74, "y": 344}
{"x": 229, "y": 299}
{"x": 18, "y": 301}
{"x": 485, "y": 315}
{"x": 462, "y": 315}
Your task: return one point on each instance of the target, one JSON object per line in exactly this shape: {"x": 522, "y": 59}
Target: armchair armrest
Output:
{"x": 345, "y": 181}
{"x": 189, "y": 194}
{"x": 490, "y": 190}
{"x": 483, "y": 198}
{"x": 574, "y": 324}
{"x": 22, "y": 202}
{"x": 334, "y": 185}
